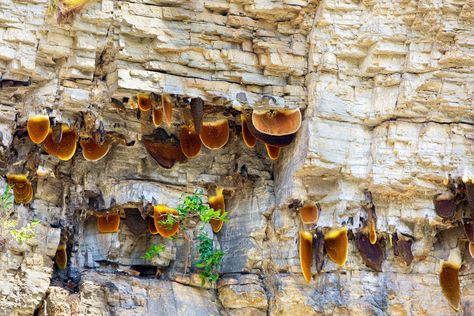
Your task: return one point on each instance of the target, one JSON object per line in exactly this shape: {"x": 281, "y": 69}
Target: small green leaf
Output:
{"x": 154, "y": 251}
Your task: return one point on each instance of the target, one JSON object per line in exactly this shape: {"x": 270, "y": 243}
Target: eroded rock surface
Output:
{"x": 387, "y": 92}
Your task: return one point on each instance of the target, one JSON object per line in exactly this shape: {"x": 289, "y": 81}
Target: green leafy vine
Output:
{"x": 192, "y": 208}
{"x": 154, "y": 251}
{"x": 209, "y": 259}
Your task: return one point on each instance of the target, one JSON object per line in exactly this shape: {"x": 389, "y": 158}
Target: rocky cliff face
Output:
{"x": 386, "y": 89}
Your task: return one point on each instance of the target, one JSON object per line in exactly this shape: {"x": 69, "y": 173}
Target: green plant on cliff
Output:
{"x": 6, "y": 199}
{"x": 192, "y": 209}
{"x": 154, "y": 251}
{"x": 8, "y": 227}
{"x": 193, "y": 216}
{"x": 22, "y": 234}
{"x": 169, "y": 221}
{"x": 193, "y": 206}
{"x": 209, "y": 259}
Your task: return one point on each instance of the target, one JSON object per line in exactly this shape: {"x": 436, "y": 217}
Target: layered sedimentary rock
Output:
{"x": 386, "y": 90}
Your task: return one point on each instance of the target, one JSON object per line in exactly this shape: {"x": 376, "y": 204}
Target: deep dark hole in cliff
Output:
{"x": 145, "y": 270}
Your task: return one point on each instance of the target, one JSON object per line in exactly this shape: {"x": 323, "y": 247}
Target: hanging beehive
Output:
{"x": 318, "y": 250}
{"x": 74, "y": 4}
{"x": 306, "y": 254}
{"x": 402, "y": 247}
{"x": 249, "y": 140}
{"x": 57, "y": 133}
{"x": 165, "y": 149}
{"x": 217, "y": 203}
{"x": 38, "y": 128}
{"x": 371, "y": 228}
{"x": 371, "y": 253}
{"x": 167, "y": 109}
{"x": 65, "y": 9}
{"x": 166, "y": 154}
{"x": 61, "y": 257}
{"x": 108, "y": 222}
{"x": 277, "y": 122}
{"x": 160, "y": 213}
{"x": 273, "y": 152}
{"x": 372, "y": 232}
{"x": 336, "y": 243}
{"x": 197, "y": 113}
{"x": 445, "y": 205}
{"x": 22, "y": 188}
{"x": 278, "y": 141}
{"x": 157, "y": 116}
{"x": 151, "y": 225}
{"x": 214, "y": 135}
{"x": 468, "y": 226}
{"x": 309, "y": 213}
{"x": 144, "y": 102}
{"x": 449, "y": 279}
{"x": 190, "y": 141}
{"x": 470, "y": 196}
{"x": 67, "y": 146}
{"x": 93, "y": 151}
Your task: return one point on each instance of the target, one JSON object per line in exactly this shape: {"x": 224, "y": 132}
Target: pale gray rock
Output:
{"x": 386, "y": 90}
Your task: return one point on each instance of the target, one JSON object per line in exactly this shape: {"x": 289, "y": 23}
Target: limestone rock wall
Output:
{"x": 390, "y": 99}
{"x": 386, "y": 89}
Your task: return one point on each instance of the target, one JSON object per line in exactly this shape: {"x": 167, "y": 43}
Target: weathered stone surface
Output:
{"x": 387, "y": 89}
{"x": 59, "y": 302}
{"x": 105, "y": 294}
{"x": 361, "y": 292}
{"x": 242, "y": 292}
{"x": 25, "y": 271}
